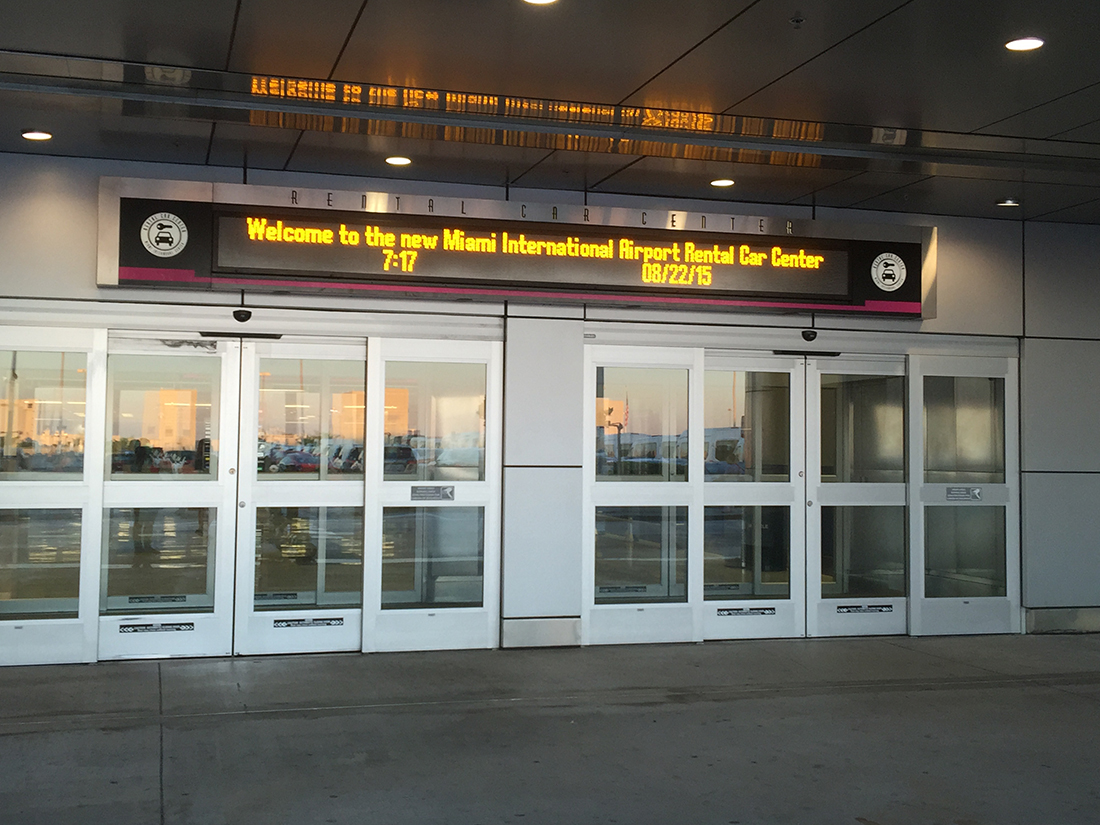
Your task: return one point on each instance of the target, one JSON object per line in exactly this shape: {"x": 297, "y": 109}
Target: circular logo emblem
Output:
{"x": 164, "y": 235}
{"x": 888, "y": 272}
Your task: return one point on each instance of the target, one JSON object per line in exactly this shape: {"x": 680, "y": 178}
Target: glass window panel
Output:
{"x": 641, "y": 424}
{"x": 641, "y": 554}
{"x": 748, "y": 426}
{"x": 434, "y": 422}
{"x": 159, "y": 559}
{"x": 863, "y": 552}
{"x": 747, "y": 553}
{"x": 863, "y": 428}
{"x": 41, "y": 413}
{"x": 309, "y": 557}
{"x": 163, "y": 415}
{"x": 964, "y": 551}
{"x": 432, "y": 556}
{"x": 39, "y": 563}
{"x": 964, "y": 430}
{"x": 311, "y": 416}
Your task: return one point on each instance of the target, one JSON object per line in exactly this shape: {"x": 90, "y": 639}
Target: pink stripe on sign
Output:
{"x": 139, "y": 273}
{"x": 912, "y": 307}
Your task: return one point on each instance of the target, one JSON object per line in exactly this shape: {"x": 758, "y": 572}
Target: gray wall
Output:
{"x": 1060, "y": 416}
{"x": 543, "y": 449}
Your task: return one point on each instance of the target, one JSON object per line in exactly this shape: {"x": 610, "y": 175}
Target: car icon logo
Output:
{"x": 164, "y": 234}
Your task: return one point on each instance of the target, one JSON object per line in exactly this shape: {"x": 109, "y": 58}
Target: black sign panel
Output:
{"x": 196, "y": 245}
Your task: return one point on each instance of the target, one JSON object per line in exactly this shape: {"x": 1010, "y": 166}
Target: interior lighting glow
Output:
{"x": 722, "y": 182}
{"x": 1008, "y": 202}
{"x": 397, "y": 160}
{"x": 1024, "y": 44}
{"x": 36, "y": 134}
{"x": 540, "y": 2}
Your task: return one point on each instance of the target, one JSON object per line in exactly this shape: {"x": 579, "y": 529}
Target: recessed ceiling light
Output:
{"x": 722, "y": 182}
{"x": 540, "y": 2}
{"x": 398, "y": 160}
{"x": 1024, "y": 44}
{"x": 36, "y": 134}
{"x": 1008, "y": 202}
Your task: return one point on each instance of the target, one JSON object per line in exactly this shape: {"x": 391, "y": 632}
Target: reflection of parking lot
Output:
{"x": 39, "y": 558}
{"x": 432, "y": 555}
{"x": 159, "y": 551}
{"x": 291, "y": 545}
{"x": 635, "y": 547}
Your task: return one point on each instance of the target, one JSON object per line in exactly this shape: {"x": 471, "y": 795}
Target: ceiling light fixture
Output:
{"x": 398, "y": 160}
{"x": 36, "y": 134}
{"x": 721, "y": 182}
{"x": 1024, "y": 44}
{"x": 1008, "y": 202}
{"x": 540, "y": 2}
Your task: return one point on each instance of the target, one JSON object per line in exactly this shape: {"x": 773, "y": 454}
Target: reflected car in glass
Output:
{"x": 297, "y": 462}
{"x": 399, "y": 459}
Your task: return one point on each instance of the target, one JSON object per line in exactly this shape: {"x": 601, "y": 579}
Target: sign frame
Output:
{"x": 197, "y": 265}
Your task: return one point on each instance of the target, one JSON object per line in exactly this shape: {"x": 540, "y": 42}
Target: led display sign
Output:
{"x": 286, "y": 249}
{"x": 423, "y": 249}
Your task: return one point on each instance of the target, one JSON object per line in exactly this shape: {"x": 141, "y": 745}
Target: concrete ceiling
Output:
{"x": 897, "y": 105}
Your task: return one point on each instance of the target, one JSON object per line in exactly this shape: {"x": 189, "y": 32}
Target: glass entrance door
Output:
{"x": 856, "y": 532}
{"x": 169, "y": 498}
{"x": 965, "y": 513}
{"x": 301, "y": 497}
{"x": 735, "y": 495}
{"x": 325, "y": 493}
{"x": 433, "y": 492}
{"x": 753, "y": 455}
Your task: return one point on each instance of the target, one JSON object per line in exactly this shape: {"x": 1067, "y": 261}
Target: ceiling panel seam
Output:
{"x": 347, "y": 40}
{"x": 1074, "y": 129}
{"x": 332, "y": 71}
{"x": 889, "y": 191}
{"x": 689, "y": 51}
{"x": 210, "y": 142}
{"x": 608, "y": 177}
{"x": 1063, "y": 209}
{"x": 538, "y": 162}
{"x": 827, "y": 49}
{"x": 233, "y": 35}
{"x": 293, "y": 149}
{"x": 831, "y": 185}
{"x": 1039, "y": 106}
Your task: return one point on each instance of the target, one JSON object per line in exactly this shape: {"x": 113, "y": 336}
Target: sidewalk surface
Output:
{"x": 962, "y": 731}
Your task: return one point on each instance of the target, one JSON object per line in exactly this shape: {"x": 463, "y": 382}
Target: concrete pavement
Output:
{"x": 887, "y": 731}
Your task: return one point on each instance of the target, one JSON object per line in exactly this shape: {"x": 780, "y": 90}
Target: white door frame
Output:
{"x": 149, "y": 634}
{"x": 435, "y": 628}
{"x": 60, "y": 640}
{"x": 946, "y": 616}
{"x": 763, "y": 617}
{"x": 847, "y": 616}
{"x": 316, "y": 629}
